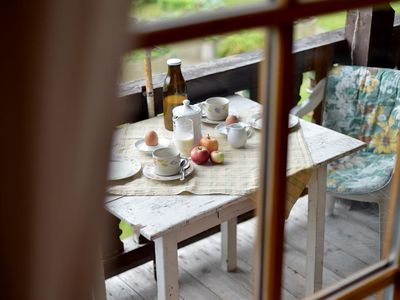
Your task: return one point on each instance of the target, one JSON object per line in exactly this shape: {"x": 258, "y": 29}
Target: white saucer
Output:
{"x": 204, "y": 118}
{"x": 148, "y": 171}
{"x": 208, "y": 121}
{"x": 121, "y": 168}
{"x": 141, "y": 145}
{"x": 255, "y": 121}
{"x": 221, "y": 128}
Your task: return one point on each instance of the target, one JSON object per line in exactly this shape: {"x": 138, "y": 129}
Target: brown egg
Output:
{"x": 231, "y": 119}
{"x": 151, "y": 138}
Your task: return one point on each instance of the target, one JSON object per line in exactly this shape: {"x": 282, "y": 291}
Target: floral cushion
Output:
{"x": 363, "y": 103}
{"x": 360, "y": 173}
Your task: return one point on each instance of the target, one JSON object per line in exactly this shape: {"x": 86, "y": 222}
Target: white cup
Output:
{"x": 166, "y": 161}
{"x": 216, "y": 108}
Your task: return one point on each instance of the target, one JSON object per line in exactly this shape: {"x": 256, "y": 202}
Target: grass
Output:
{"x": 331, "y": 21}
{"x": 396, "y": 6}
{"x": 127, "y": 230}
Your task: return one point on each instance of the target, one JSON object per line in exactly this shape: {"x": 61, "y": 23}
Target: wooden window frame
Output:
{"x": 279, "y": 17}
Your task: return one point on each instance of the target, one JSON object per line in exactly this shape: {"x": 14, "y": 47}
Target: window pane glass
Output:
{"x": 356, "y": 196}
{"x": 215, "y": 66}
{"x": 319, "y": 24}
{"x": 155, "y": 10}
{"x": 192, "y": 52}
{"x": 227, "y": 64}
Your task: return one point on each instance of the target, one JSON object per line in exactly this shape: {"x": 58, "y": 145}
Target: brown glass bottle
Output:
{"x": 174, "y": 90}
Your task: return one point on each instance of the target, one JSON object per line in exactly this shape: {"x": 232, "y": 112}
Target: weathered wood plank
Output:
{"x": 342, "y": 256}
{"x": 335, "y": 259}
{"x": 326, "y": 145}
{"x": 209, "y": 249}
{"x": 294, "y": 259}
{"x": 119, "y": 290}
{"x": 191, "y": 288}
{"x": 141, "y": 279}
{"x": 172, "y": 212}
{"x": 206, "y": 268}
{"x": 363, "y": 234}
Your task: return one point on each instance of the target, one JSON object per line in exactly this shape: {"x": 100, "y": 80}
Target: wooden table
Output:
{"x": 167, "y": 220}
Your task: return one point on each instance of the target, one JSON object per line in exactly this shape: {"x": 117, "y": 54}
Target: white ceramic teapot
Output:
{"x": 237, "y": 135}
{"x": 191, "y": 112}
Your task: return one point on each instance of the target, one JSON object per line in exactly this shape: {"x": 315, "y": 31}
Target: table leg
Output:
{"x": 166, "y": 249}
{"x": 228, "y": 244}
{"x": 315, "y": 230}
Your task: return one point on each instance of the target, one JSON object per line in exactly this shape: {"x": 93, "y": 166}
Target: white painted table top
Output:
{"x": 154, "y": 216}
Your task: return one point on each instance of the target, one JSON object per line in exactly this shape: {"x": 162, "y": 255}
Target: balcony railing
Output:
{"x": 231, "y": 74}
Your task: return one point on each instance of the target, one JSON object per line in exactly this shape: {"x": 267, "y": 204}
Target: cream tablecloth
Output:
{"x": 239, "y": 175}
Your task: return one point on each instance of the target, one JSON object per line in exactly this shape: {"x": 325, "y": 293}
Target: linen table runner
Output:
{"x": 239, "y": 175}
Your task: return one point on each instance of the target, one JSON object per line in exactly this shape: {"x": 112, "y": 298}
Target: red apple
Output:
{"x": 200, "y": 155}
{"x": 217, "y": 157}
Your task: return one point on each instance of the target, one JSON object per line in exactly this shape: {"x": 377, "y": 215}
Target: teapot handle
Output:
{"x": 201, "y": 106}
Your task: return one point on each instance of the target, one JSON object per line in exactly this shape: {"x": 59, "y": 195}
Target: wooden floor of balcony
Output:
{"x": 351, "y": 243}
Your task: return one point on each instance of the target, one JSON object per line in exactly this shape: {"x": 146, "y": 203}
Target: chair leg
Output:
{"x": 381, "y": 230}
{"x": 330, "y": 205}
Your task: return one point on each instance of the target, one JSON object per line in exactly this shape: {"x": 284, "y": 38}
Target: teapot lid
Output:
{"x": 186, "y": 109}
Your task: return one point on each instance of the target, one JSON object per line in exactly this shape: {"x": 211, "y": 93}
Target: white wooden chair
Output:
{"x": 364, "y": 103}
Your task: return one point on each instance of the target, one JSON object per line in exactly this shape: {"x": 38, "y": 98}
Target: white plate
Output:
{"x": 121, "y": 169}
{"x": 148, "y": 171}
{"x": 141, "y": 145}
{"x": 221, "y": 128}
{"x": 255, "y": 121}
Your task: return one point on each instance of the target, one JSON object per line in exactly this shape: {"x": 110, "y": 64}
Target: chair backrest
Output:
{"x": 363, "y": 102}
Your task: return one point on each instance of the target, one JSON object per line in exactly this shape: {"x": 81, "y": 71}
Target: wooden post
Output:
{"x": 322, "y": 65}
{"x": 369, "y": 35}
{"x": 148, "y": 75}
